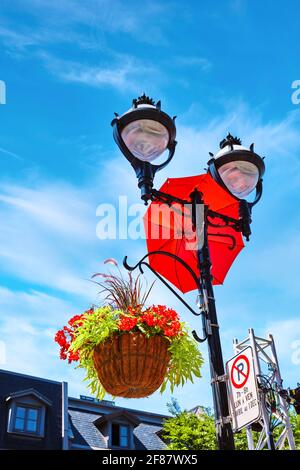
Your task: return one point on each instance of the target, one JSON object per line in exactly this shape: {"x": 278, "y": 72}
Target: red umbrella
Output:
{"x": 169, "y": 229}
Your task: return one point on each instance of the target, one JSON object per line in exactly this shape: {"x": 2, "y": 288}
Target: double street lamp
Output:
{"x": 145, "y": 133}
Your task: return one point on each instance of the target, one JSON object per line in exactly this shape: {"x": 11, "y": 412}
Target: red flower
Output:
{"x": 149, "y": 319}
{"x": 63, "y": 354}
{"x": 133, "y": 311}
{"x": 73, "y": 356}
{"x": 170, "y": 332}
{"x": 161, "y": 319}
{"x": 74, "y": 319}
{"x": 127, "y": 323}
{"x": 64, "y": 338}
{"x": 173, "y": 329}
{"x": 162, "y": 322}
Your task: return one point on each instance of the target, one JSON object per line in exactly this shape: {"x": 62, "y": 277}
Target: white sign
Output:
{"x": 242, "y": 389}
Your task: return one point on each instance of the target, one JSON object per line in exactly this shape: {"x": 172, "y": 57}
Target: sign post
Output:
{"x": 243, "y": 391}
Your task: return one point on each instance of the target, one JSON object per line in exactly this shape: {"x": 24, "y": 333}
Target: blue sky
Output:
{"x": 68, "y": 66}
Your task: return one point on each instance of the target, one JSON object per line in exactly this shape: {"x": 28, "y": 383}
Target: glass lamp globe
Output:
{"x": 146, "y": 139}
{"x": 239, "y": 176}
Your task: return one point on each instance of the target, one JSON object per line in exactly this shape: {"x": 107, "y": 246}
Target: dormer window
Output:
{"x": 27, "y": 419}
{"x": 120, "y": 435}
{"x": 118, "y": 427}
{"x": 27, "y": 413}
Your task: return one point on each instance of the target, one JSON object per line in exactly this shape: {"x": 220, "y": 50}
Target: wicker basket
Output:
{"x": 132, "y": 365}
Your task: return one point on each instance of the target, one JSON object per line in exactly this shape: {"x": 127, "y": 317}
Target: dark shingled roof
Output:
{"x": 88, "y": 420}
{"x": 146, "y": 437}
{"x": 87, "y": 434}
{"x": 84, "y": 430}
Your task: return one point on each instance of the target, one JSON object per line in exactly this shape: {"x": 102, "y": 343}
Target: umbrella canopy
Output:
{"x": 169, "y": 229}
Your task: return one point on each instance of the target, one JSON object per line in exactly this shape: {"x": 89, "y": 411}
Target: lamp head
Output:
{"x": 143, "y": 134}
{"x": 237, "y": 168}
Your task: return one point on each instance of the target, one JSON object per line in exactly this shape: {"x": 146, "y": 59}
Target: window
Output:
{"x": 26, "y": 419}
{"x": 120, "y": 435}
{"x": 27, "y": 413}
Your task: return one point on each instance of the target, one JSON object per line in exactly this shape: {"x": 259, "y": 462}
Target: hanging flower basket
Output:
{"x": 127, "y": 349}
{"x": 132, "y": 365}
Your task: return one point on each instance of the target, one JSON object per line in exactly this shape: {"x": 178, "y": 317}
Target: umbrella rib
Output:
{"x": 241, "y": 244}
{"x": 176, "y": 274}
{"x": 224, "y": 235}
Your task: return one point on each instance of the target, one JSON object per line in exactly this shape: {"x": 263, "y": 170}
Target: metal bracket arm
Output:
{"x": 142, "y": 263}
{"x": 220, "y": 378}
{"x": 224, "y": 420}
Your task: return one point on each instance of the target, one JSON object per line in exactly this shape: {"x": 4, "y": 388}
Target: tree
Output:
{"x": 188, "y": 431}
{"x": 295, "y": 419}
{"x": 195, "y": 430}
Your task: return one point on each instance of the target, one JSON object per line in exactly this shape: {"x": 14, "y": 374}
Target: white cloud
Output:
{"x": 33, "y": 307}
{"x": 26, "y": 320}
{"x": 55, "y": 207}
{"x": 123, "y": 73}
{"x": 285, "y": 332}
{"x": 16, "y": 40}
{"x": 64, "y": 21}
{"x": 10, "y": 154}
{"x": 192, "y": 61}
{"x": 46, "y": 234}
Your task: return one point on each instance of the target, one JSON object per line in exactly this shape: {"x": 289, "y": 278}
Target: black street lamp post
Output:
{"x": 143, "y": 134}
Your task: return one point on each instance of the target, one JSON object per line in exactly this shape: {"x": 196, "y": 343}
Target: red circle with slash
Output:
{"x": 238, "y": 368}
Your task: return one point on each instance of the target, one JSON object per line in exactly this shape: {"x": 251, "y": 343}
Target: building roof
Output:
{"x": 29, "y": 392}
{"x": 27, "y": 376}
{"x": 88, "y": 419}
{"x": 86, "y": 429}
{"x": 146, "y": 435}
{"x": 118, "y": 414}
{"x": 103, "y": 408}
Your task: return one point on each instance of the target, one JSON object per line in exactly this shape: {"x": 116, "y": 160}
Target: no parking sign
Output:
{"x": 242, "y": 387}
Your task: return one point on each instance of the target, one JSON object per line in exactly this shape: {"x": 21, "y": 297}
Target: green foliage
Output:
{"x": 186, "y": 431}
{"x": 241, "y": 437}
{"x": 295, "y": 419}
{"x": 94, "y": 328}
{"x": 240, "y": 440}
{"x": 174, "y": 407}
{"x": 186, "y": 361}
{"x": 295, "y": 422}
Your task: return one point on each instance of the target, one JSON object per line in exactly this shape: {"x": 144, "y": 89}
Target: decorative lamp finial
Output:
{"x": 230, "y": 140}
{"x": 143, "y": 100}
